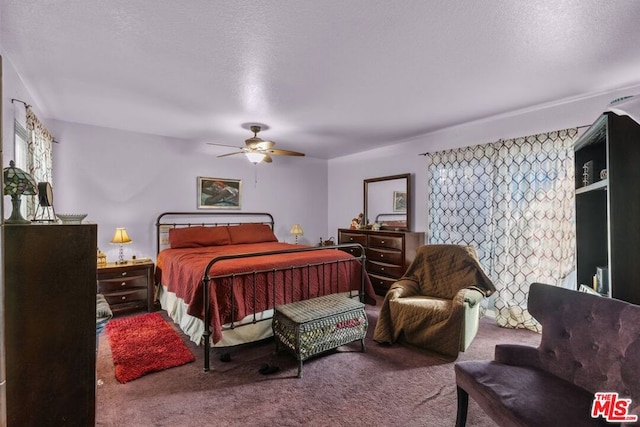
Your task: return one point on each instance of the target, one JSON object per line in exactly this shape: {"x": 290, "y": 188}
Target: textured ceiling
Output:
{"x": 329, "y": 77}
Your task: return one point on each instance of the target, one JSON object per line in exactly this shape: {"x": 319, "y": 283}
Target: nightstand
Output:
{"x": 127, "y": 286}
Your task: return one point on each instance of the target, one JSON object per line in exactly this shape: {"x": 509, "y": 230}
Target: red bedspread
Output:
{"x": 181, "y": 271}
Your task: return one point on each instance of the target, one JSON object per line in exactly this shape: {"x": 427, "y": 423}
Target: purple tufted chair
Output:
{"x": 589, "y": 344}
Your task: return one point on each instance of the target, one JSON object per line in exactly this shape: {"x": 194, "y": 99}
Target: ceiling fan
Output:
{"x": 257, "y": 149}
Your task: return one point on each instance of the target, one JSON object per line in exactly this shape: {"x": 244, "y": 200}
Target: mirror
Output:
{"x": 387, "y": 202}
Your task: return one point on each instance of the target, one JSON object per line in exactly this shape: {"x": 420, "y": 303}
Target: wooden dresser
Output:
{"x": 50, "y": 324}
{"x": 127, "y": 286}
{"x": 389, "y": 253}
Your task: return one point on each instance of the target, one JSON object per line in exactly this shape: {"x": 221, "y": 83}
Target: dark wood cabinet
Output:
{"x": 608, "y": 206}
{"x": 127, "y": 287}
{"x": 50, "y": 329}
{"x": 389, "y": 253}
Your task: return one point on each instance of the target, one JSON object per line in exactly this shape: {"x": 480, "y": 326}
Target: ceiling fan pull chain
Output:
{"x": 255, "y": 175}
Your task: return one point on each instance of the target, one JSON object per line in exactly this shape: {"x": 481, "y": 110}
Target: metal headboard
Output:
{"x": 168, "y": 220}
{"x": 395, "y": 215}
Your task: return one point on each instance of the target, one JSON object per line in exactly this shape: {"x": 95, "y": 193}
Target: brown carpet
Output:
{"x": 386, "y": 386}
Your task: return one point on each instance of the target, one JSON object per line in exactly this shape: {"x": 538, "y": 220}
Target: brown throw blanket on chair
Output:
{"x": 433, "y": 288}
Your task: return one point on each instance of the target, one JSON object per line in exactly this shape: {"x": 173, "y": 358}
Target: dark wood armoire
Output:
{"x": 50, "y": 335}
{"x": 607, "y": 158}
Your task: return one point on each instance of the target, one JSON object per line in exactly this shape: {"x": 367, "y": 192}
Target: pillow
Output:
{"x": 251, "y": 233}
{"x": 195, "y": 237}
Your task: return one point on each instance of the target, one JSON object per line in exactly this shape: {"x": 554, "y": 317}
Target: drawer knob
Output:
{"x": 123, "y": 284}
{"x": 124, "y": 273}
{"x": 382, "y": 241}
{"x": 124, "y": 298}
{"x": 381, "y": 255}
{"x": 351, "y": 238}
{"x": 381, "y": 269}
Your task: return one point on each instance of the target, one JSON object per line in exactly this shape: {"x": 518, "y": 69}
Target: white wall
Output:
{"x": 346, "y": 174}
{"x": 346, "y": 187}
{"x": 13, "y": 87}
{"x": 126, "y": 179}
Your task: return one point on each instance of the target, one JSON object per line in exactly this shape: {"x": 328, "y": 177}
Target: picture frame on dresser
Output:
{"x": 219, "y": 193}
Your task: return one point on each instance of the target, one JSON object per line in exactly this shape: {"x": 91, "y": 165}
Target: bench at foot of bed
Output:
{"x": 307, "y": 328}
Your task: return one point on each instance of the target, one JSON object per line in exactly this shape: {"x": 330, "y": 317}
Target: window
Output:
{"x": 21, "y": 154}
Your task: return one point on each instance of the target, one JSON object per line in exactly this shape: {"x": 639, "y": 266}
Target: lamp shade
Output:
{"x": 296, "y": 230}
{"x": 254, "y": 157}
{"x": 17, "y": 182}
{"x": 121, "y": 237}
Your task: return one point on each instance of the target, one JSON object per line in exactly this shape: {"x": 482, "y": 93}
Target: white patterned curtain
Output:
{"x": 39, "y": 155}
{"x": 514, "y": 201}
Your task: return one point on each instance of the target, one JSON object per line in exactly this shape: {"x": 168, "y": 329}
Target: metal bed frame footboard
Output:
{"x": 207, "y": 279}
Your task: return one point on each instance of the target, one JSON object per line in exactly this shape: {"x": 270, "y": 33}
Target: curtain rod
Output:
{"x": 17, "y": 100}
{"x": 577, "y": 127}
{"x": 29, "y": 106}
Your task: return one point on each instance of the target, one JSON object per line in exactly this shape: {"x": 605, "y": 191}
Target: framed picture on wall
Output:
{"x": 399, "y": 201}
{"x": 219, "y": 193}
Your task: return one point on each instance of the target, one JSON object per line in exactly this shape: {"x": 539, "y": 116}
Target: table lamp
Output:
{"x": 296, "y": 230}
{"x": 16, "y": 183}
{"x": 121, "y": 238}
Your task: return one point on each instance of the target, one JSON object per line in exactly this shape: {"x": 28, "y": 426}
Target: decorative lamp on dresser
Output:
{"x": 50, "y": 324}
{"x": 389, "y": 253}
{"x": 127, "y": 287}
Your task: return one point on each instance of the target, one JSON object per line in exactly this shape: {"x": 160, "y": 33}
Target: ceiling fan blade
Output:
{"x": 231, "y": 154}
{"x": 256, "y": 145}
{"x": 224, "y": 145}
{"x": 283, "y": 152}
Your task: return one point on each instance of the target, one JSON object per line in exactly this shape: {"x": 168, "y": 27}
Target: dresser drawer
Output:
{"x": 132, "y": 295}
{"x": 381, "y": 284}
{"x": 386, "y": 256}
{"x": 383, "y": 269}
{"x": 127, "y": 287}
{"x": 107, "y": 274}
{"x": 388, "y": 253}
{"x": 346, "y": 237}
{"x": 390, "y": 242}
{"x": 352, "y": 251}
{"x": 121, "y": 283}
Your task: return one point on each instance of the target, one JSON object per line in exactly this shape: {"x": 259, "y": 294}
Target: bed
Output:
{"x": 220, "y": 275}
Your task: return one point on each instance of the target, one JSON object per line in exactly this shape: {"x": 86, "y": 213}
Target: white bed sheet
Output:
{"x": 194, "y": 327}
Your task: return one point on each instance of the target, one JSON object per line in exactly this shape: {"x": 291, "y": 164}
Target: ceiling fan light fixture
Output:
{"x": 255, "y": 157}
{"x": 257, "y": 149}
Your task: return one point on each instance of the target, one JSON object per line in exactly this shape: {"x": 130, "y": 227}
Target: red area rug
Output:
{"x": 144, "y": 344}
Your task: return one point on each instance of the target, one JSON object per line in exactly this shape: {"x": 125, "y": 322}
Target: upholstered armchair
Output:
{"x": 436, "y": 304}
{"x": 589, "y": 345}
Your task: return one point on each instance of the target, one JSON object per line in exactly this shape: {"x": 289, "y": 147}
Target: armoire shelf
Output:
{"x": 608, "y": 210}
